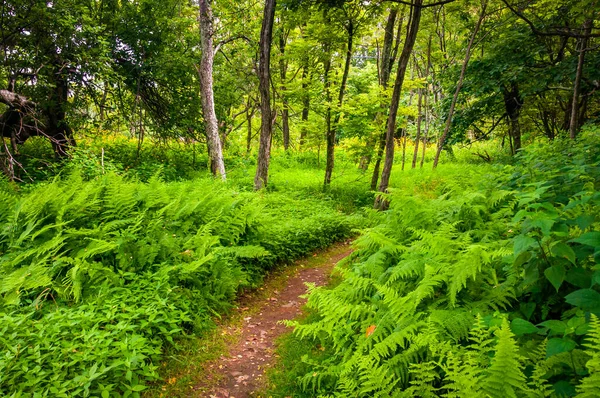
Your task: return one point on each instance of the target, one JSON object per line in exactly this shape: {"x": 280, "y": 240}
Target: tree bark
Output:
{"x": 418, "y": 137}
{"x": 264, "y": 80}
{"x": 574, "y": 123}
{"x": 285, "y": 111}
{"x": 386, "y": 53}
{"x": 513, "y": 104}
{"x": 305, "y": 101}
{"x": 331, "y": 132}
{"x": 205, "y": 72}
{"x": 425, "y": 133}
{"x": 25, "y": 118}
{"x": 249, "y": 114}
{"x": 459, "y": 86}
{"x": 411, "y": 36}
{"x": 420, "y": 111}
{"x": 387, "y": 60}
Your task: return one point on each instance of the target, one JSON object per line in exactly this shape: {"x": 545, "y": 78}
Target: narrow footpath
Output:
{"x": 239, "y": 373}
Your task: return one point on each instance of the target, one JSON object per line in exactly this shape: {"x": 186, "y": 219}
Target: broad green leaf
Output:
{"x": 522, "y": 243}
{"x": 579, "y": 277}
{"x": 584, "y": 221}
{"x": 596, "y": 278}
{"x": 589, "y": 239}
{"x": 563, "y": 388}
{"x": 544, "y": 224}
{"x": 587, "y": 299}
{"x": 556, "y": 346}
{"x": 562, "y": 250}
{"x": 557, "y": 327}
{"x": 522, "y": 259}
{"x": 521, "y": 327}
{"x": 527, "y": 309}
{"x": 556, "y": 275}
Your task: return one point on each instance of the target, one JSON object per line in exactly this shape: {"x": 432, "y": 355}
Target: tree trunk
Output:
{"x": 331, "y": 133}
{"x": 420, "y": 111}
{"x": 285, "y": 111}
{"x": 575, "y": 123}
{"x": 249, "y": 114}
{"x": 418, "y": 137}
{"x": 459, "y": 86}
{"x": 513, "y": 104}
{"x": 426, "y": 133}
{"x": 404, "y": 138}
{"x": 386, "y": 54}
{"x": 264, "y": 76}
{"x": 305, "y": 101}
{"x": 205, "y": 73}
{"x": 411, "y": 36}
{"x": 57, "y": 129}
{"x": 379, "y": 156}
{"x": 387, "y": 61}
{"x": 25, "y": 118}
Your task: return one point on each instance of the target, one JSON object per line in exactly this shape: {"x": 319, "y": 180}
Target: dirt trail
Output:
{"x": 239, "y": 374}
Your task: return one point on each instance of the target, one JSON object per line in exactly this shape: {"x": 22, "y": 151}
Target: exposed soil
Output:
{"x": 239, "y": 373}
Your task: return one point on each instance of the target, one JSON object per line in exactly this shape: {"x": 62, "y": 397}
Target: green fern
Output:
{"x": 504, "y": 377}
{"x": 590, "y": 385}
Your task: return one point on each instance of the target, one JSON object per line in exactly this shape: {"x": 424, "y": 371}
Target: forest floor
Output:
{"x": 246, "y": 338}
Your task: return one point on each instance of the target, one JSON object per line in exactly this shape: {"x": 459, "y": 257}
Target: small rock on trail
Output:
{"x": 243, "y": 368}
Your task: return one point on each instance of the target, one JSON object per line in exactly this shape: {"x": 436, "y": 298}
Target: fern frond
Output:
{"x": 505, "y": 378}
{"x": 590, "y": 385}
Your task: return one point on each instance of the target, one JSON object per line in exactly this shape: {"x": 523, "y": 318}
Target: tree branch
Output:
{"x": 15, "y": 100}
{"x": 564, "y": 33}
{"x": 229, "y": 40}
{"x": 408, "y": 3}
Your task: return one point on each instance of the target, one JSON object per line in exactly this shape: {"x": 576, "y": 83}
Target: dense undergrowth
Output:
{"x": 479, "y": 281}
{"x": 98, "y": 275}
{"x": 106, "y": 262}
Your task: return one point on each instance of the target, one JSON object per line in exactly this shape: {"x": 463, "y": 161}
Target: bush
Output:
{"x": 97, "y": 275}
{"x": 490, "y": 287}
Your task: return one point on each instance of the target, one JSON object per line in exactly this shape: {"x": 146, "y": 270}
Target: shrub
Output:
{"x": 488, "y": 288}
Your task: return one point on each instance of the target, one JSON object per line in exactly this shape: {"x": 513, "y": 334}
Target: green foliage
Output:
{"x": 489, "y": 287}
{"x": 98, "y": 275}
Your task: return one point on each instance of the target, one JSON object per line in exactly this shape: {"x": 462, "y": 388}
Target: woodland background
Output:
{"x": 160, "y": 157}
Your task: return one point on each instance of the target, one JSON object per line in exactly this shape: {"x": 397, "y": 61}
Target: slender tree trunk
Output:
{"x": 420, "y": 111}
{"x": 285, "y": 111}
{"x": 305, "y": 101}
{"x": 249, "y": 115}
{"x": 387, "y": 60}
{"x": 404, "y": 138}
{"x": 388, "y": 42}
{"x": 418, "y": 137}
{"x": 459, "y": 86}
{"x": 331, "y": 132}
{"x": 513, "y": 104}
{"x": 583, "y": 42}
{"x": 376, "y": 168}
{"x": 205, "y": 72}
{"x": 264, "y": 76}
{"x": 426, "y": 133}
{"x": 411, "y": 36}
{"x": 57, "y": 129}
{"x": 404, "y": 134}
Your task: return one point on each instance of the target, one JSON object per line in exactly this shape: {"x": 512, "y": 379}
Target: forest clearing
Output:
{"x": 300, "y": 198}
